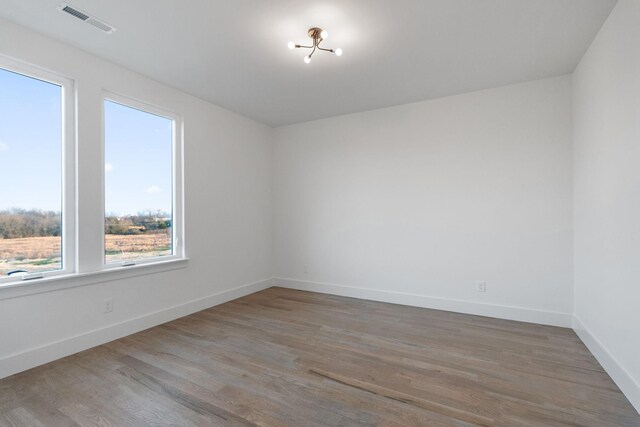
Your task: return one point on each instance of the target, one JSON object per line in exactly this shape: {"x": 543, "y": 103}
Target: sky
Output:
{"x": 30, "y": 143}
{"x": 138, "y": 155}
{"x": 138, "y": 160}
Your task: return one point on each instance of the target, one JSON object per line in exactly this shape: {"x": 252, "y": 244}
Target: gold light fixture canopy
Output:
{"x": 317, "y": 35}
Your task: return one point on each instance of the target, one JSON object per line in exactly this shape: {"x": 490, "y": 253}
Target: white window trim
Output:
{"x": 19, "y": 289}
{"x": 68, "y": 168}
{"x": 177, "y": 220}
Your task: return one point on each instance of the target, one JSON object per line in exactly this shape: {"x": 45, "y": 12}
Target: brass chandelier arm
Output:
{"x": 326, "y": 50}
{"x": 313, "y": 51}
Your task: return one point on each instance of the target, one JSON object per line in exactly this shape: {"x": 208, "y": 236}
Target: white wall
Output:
{"x": 228, "y": 162}
{"x": 426, "y": 199}
{"x": 607, "y": 197}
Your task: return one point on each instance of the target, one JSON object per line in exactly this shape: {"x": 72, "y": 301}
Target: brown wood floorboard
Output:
{"x": 282, "y": 357}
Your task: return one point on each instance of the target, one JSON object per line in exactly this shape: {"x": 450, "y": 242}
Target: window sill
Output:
{"x": 74, "y": 280}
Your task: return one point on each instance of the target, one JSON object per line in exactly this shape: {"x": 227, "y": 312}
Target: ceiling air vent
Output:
{"x": 87, "y": 18}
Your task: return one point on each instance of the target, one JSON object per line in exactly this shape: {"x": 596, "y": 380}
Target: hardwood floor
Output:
{"x": 290, "y": 358}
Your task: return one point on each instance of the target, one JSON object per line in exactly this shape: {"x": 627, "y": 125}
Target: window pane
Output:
{"x": 138, "y": 183}
{"x": 30, "y": 174}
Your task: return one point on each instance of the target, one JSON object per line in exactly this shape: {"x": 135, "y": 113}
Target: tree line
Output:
{"x": 15, "y": 223}
{"x": 144, "y": 222}
{"x": 19, "y": 223}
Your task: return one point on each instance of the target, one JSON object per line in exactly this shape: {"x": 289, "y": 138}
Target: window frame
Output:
{"x": 68, "y": 183}
{"x": 177, "y": 196}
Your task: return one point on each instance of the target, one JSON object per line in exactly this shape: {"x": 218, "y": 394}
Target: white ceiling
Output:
{"x": 234, "y": 52}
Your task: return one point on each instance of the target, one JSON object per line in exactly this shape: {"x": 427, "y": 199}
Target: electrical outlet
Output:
{"x": 482, "y": 286}
{"x": 107, "y": 305}
{"x": 305, "y": 269}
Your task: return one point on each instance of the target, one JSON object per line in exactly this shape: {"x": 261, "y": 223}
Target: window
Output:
{"x": 36, "y": 201}
{"x": 41, "y": 203}
{"x": 140, "y": 151}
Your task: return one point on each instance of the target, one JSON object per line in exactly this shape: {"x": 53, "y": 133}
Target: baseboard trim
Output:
{"x": 459, "y": 306}
{"x": 618, "y": 374}
{"x": 37, "y": 356}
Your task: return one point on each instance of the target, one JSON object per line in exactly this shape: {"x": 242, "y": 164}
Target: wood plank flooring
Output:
{"x": 290, "y": 358}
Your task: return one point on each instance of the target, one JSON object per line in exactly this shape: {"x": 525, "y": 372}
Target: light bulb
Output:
{"x": 324, "y": 34}
{"x": 338, "y": 52}
{"x": 291, "y": 45}
{"x": 307, "y": 59}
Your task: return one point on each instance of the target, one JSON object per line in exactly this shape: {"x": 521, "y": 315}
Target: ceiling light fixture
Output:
{"x": 317, "y": 35}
